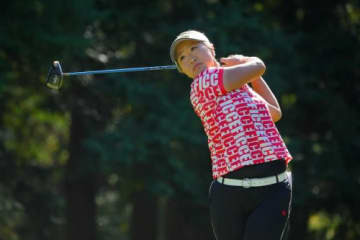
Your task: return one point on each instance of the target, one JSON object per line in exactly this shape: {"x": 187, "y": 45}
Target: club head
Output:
{"x": 55, "y": 76}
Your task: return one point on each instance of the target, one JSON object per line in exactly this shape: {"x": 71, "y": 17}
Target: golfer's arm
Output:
{"x": 238, "y": 75}
{"x": 260, "y": 86}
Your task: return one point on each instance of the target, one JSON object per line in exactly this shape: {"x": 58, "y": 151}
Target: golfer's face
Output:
{"x": 194, "y": 57}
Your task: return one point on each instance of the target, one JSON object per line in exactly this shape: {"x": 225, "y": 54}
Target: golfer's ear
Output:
{"x": 212, "y": 48}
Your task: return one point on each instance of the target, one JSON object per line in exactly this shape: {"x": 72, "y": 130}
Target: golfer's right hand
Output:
{"x": 233, "y": 60}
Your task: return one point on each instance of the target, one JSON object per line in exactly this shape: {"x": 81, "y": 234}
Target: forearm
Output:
{"x": 238, "y": 75}
{"x": 260, "y": 86}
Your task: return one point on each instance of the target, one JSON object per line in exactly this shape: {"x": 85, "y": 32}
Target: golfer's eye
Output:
{"x": 193, "y": 48}
{"x": 181, "y": 58}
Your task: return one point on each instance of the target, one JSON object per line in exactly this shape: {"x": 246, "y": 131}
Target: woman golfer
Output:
{"x": 250, "y": 195}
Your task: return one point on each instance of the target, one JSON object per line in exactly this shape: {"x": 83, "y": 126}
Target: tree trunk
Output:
{"x": 80, "y": 187}
{"x": 298, "y": 228}
{"x": 175, "y": 222}
{"x": 183, "y": 222}
{"x": 144, "y": 217}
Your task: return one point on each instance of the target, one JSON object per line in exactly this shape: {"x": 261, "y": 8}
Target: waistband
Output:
{"x": 253, "y": 182}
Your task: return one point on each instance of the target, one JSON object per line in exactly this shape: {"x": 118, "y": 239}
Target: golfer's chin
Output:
{"x": 199, "y": 70}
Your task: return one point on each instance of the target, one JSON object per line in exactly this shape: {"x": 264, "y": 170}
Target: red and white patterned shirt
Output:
{"x": 238, "y": 124}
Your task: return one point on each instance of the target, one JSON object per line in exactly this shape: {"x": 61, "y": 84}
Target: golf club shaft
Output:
{"x": 121, "y": 70}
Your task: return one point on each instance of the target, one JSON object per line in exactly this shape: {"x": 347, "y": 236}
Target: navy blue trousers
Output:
{"x": 256, "y": 213}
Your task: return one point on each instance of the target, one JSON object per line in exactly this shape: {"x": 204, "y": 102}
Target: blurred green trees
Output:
{"x": 124, "y": 156}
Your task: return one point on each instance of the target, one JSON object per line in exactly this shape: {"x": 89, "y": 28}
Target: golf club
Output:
{"x": 55, "y": 76}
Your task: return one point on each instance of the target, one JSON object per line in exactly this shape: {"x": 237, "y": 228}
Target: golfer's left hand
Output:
{"x": 233, "y": 60}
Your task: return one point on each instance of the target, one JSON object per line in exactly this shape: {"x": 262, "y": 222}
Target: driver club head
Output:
{"x": 55, "y": 76}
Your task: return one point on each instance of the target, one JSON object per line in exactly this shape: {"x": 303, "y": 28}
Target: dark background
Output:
{"x": 123, "y": 156}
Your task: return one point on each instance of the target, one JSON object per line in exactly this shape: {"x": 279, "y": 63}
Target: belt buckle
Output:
{"x": 246, "y": 183}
